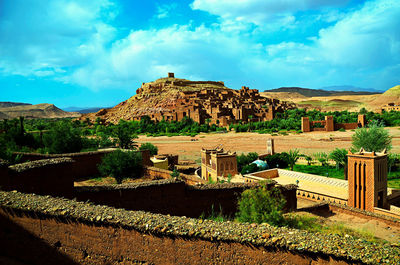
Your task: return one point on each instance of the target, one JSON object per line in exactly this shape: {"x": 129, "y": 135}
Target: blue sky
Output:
{"x": 97, "y": 53}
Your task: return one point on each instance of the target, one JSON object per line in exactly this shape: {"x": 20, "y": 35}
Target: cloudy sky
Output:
{"x": 98, "y": 52}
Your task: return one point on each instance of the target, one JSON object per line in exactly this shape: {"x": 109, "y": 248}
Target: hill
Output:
{"x": 44, "y": 110}
{"x": 12, "y": 104}
{"x": 172, "y": 99}
{"x": 308, "y": 92}
{"x": 392, "y": 95}
{"x": 83, "y": 110}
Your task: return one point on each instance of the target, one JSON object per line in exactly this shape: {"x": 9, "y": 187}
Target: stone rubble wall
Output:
{"x": 85, "y": 163}
{"x": 47, "y": 176}
{"x": 175, "y": 197}
{"x": 47, "y": 230}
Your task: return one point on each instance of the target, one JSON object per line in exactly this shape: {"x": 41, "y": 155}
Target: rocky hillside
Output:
{"x": 11, "y": 110}
{"x": 173, "y": 98}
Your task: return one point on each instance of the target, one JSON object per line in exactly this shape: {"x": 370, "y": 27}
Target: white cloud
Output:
{"x": 367, "y": 38}
{"x": 260, "y": 11}
{"x": 56, "y": 34}
{"x": 163, "y": 11}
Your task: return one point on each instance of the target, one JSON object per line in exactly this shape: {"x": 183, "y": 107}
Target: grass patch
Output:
{"x": 329, "y": 171}
{"x": 394, "y": 183}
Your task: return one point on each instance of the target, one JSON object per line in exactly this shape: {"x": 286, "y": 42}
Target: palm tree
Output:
{"x": 41, "y": 127}
{"x": 322, "y": 158}
{"x": 293, "y": 156}
{"x": 339, "y": 156}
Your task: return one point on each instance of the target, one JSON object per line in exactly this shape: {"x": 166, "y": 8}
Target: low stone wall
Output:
{"x": 175, "y": 197}
{"x": 267, "y": 174}
{"x": 85, "y": 163}
{"x": 44, "y": 230}
{"x": 47, "y": 176}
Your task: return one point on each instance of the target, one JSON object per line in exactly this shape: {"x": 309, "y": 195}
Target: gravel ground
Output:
{"x": 347, "y": 247}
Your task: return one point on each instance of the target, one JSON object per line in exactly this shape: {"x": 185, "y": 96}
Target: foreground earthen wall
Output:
{"x": 47, "y": 230}
{"x": 30, "y": 240}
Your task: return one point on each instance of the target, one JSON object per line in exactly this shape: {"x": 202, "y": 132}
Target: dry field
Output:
{"x": 307, "y": 143}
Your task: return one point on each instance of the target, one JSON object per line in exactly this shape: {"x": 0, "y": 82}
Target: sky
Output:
{"x": 96, "y": 53}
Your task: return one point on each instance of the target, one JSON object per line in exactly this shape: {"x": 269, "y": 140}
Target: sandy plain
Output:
{"x": 308, "y": 143}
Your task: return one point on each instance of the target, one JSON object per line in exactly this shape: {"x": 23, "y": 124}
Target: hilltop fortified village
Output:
{"x": 172, "y": 99}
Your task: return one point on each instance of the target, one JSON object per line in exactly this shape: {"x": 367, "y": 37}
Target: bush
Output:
{"x": 243, "y": 160}
{"x": 342, "y": 130}
{"x": 261, "y": 205}
{"x": 149, "y": 146}
{"x": 63, "y": 138}
{"x": 247, "y": 169}
{"x": 278, "y": 160}
{"x": 120, "y": 164}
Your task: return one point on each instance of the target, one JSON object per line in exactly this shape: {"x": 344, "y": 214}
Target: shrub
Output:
{"x": 120, "y": 164}
{"x": 63, "y": 138}
{"x": 149, "y": 146}
{"x": 261, "y": 205}
{"x": 342, "y": 130}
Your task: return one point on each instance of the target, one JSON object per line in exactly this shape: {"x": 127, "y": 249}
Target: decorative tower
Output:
{"x": 367, "y": 180}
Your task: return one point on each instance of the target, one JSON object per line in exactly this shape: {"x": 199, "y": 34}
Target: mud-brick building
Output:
{"x": 367, "y": 172}
{"x": 217, "y": 163}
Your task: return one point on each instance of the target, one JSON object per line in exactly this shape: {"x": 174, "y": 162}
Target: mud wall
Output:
{"x": 46, "y": 177}
{"x": 44, "y": 230}
{"x": 175, "y": 197}
{"x": 346, "y": 126}
{"x": 85, "y": 163}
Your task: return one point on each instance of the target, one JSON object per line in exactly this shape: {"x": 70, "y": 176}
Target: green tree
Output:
{"x": 63, "y": 138}
{"x": 149, "y": 146}
{"x": 41, "y": 127}
{"x": 125, "y": 135}
{"x": 375, "y": 138}
{"x": 122, "y": 164}
{"x": 293, "y": 156}
{"x": 339, "y": 155}
{"x": 261, "y": 205}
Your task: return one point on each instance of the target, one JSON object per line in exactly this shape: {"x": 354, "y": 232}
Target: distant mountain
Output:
{"x": 84, "y": 110}
{"x": 44, "y": 110}
{"x": 12, "y": 104}
{"x": 352, "y": 88}
{"x": 308, "y": 92}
